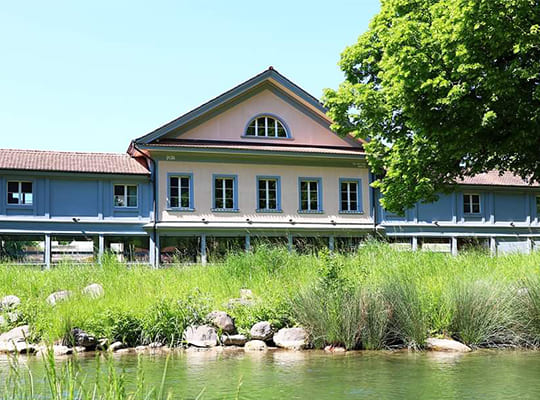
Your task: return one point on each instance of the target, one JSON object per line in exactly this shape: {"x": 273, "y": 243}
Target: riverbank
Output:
{"x": 378, "y": 298}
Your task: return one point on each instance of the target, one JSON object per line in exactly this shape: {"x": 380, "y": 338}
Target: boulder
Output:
{"x": 255, "y": 345}
{"x": 59, "y": 296}
{"x": 335, "y": 349}
{"x": 58, "y": 350}
{"x": 155, "y": 345}
{"x": 19, "y": 334}
{"x": 233, "y": 340}
{"x": 9, "y": 302}
{"x": 201, "y": 336}
{"x": 141, "y": 348}
{"x": 435, "y": 344}
{"x": 117, "y": 346}
{"x": 79, "y": 349}
{"x": 292, "y": 338}
{"x": 262, "y": 331}
{"x": 221, "y": 320}
{"x": 246, "y": 294}
{"x": 25, "y": 348}
{"x": 9, "y": 318}
{"x": 78, "y": 337}
{"x": 94, "y": 291}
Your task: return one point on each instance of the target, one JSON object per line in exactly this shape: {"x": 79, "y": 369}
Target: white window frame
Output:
{"x": 471, "y": 203}
{"x": 266, "y": 189}
{"x": 223, "y": 199}
{"x": 317, "y": 192}
{"x": 348, "y": 200}
{"x": 20, "y": 197}
{"x": 190, "y": 191}
{"x": 125, "y": 195}
{"x": 262, "y": 131}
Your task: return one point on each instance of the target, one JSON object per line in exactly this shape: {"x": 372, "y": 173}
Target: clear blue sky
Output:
{"x": 92, "y": 75}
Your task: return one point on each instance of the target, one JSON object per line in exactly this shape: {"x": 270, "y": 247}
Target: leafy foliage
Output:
{"x": 444, "y": 89}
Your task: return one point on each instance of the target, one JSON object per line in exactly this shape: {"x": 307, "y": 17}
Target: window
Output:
{"x": 181, "y": 192}
{"x": 125, "y": 195}
{"x": 266, "y": 126}
{"x": 350, "y": 200}
{"x": 225, "y": 192}
{"x": 471, "y": 203}
{"x": 268, "y": 193}
{"x": 310, "y": 195}
{"x": 19, "y": 192}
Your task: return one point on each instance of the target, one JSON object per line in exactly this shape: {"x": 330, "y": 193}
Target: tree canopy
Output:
{"x": 443, "y": 89}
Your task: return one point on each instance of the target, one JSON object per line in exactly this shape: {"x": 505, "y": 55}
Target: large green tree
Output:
{"x": 443, "y": 89}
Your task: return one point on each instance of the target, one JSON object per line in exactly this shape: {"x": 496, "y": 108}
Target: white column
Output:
{"x": 529, "y": 245}
{"x": 152, "y": 251}
{"x": 414, "y": 243}
{"x": 248, "y": 242}
{"x": 101, "y": 248}
{"x": 290, "y": 242}
{"x": 454, "y": 246}
{"x": 203, "y": 249}
{"x": 492, "y": 246}
{"x": 331, "y": 243}
{"x": 47, "y": 251}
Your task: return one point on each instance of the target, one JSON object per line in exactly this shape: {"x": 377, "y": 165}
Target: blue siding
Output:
{"x": 74, "y": 199}
{"x": 510, "y": 207}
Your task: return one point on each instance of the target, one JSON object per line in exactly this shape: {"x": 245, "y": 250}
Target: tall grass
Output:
{"x": 66, "y": 381}
{"x": 372, "y": 299}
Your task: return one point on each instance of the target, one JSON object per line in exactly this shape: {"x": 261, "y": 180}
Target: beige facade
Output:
{"x": 203, "y": 172}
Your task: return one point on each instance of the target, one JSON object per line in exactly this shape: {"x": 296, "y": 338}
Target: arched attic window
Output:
{"x": 266, "y": 126}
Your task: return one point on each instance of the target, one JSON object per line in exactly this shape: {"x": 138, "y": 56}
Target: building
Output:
{"x": 257, "y": 163}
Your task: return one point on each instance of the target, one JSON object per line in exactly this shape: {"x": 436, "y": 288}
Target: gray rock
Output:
{"x": 233, "y": 303}
{"x": 335, "y": 349}
{"x": 155, "y": 345}
{"x": 94, "y": 291}
{"x": 221, "y": 320}
{"x": 292, "y": 338}
{"x": 255, "y": 345}
{"x": 78, "y": 337}
{"x": 117, "y": 346}
{"x": 9, "y": 318}
{"x": 58, "y": 350}
{"x": 234, "y": 340}
{"x": 56, "y": 297}
{"x": 25, "y": 348}
{"x": 19, "y": 334}
{"x": 262, "y": 331}
{"x": 141, "y": 348}
{"x": 9, "y": 302}
{"x": 79, "y": 349}
{"x": 201, "y": 336}
{"x": 435, "y": 344}
{"x": 102, "y": 344}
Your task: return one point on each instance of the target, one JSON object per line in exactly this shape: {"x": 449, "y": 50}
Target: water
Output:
{"x": 316, "y": 375}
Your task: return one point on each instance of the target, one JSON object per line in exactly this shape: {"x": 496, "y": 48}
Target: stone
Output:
{"x": 117, "y": 346}
{"x": 19, "y": 334}
{"x": 9, "y": 318}
{"x": 292, "y": 338}
{"x": 246, "y": 294}
{"x": 155, "y": 345}
{"x": 221, "y": 320}
{"x": 141, "y": 348}
{"x": 9, "y": 302}
{"x": 94, "y": 291}
{"x": 102, "y": 344}
{"x": 234, "y": 340}
{"x": 233, "y": 303}
{"x": 201, "y": 336}
{"x": 78, "y": 337}
{"x": 56, "y": 297}
{"x": 450, "y": 345}
{"x": 124, "y": 351}
{"x": 255, "y": 345}
{"x": 57, "y": 349}
{"x": 79, "y": 349}
{"x": 262, "y": 331}
{"x": 335, "y": 349}
{"x": 25, "y": 348}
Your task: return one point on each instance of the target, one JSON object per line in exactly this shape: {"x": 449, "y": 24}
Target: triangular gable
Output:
{"x": 267, "y": 81}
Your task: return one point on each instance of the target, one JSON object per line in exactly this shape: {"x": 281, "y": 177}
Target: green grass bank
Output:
{"x": 376, "y": 298}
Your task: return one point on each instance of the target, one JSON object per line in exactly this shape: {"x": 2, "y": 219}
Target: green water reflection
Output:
{"x": 316, "y": 375}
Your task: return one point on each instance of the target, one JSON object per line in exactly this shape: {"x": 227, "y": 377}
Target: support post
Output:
{"x": 414, "y": 243}
{"x": 152, "y": 251}
{"x": 492, "y": 246}
{"x": 289, "y": 242}
{"x": 529, "y": 245}
{"x": 454, "y": 246}
{"x": 47, "y": 251}
{"x": 101, "y": 248}
{"x": 248, "y": 242}
{"x": 203, "y": 249}
{"x": 331, "y": 243}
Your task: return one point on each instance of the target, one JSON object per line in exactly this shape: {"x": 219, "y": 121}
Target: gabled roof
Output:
{"x": 268, "y": 77}
{"x": 493, "y": 178}
{"x": 62, "y": 161}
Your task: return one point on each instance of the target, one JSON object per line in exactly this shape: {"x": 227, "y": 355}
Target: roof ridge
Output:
{"x": 66, "y": 152}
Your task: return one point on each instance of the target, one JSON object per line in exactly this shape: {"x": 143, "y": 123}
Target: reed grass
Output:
{"x": 374, "y": 298}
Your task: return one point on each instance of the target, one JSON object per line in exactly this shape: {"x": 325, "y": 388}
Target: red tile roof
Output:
{"x": 493, "y": 178}
{"x": 63, "y": 161}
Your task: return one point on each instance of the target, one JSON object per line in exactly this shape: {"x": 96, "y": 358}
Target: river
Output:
{"x": 317, "y": 375}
